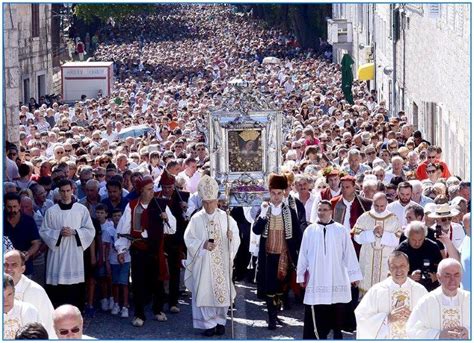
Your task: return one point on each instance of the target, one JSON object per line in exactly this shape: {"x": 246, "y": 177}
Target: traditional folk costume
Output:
{"x": 327, "y": 262}
{"x": 381, "y": 299}
{"x": 65, "y": 262}
{"x": 208, "y": 273}
{"x": 436, "y": 312}
{"x": 280, "y": 240}
{"x": 174, "y": 243}
{"x": 20, "y": 315}
{"x": 144, "y": 231}
{"x": 376, "y": 250}
{"x": 28, "y": 291}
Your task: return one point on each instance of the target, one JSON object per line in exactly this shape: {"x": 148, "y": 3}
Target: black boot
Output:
{"x": 272, "y": 314}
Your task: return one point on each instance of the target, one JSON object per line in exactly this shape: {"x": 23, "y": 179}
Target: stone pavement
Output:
{"x": 249, "y": 317}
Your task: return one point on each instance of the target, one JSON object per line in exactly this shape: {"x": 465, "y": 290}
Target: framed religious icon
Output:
{"x": 244, "y": 149}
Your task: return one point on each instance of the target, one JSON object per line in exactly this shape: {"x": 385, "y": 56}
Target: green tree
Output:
{"x": 118, "y": 12}
{"x": 306, "y": 21}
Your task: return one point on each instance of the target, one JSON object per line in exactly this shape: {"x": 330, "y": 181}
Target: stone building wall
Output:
{"x": 28, "y": 61}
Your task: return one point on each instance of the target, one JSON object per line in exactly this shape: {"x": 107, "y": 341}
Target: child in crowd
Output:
{"x": 104, "y": 274}
{"x": 120, "y": 272}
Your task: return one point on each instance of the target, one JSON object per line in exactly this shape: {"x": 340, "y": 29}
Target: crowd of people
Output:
{"x": 364, "y": 209}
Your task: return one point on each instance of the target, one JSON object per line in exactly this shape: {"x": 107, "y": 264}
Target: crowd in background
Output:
{"x": 170, "y": 72}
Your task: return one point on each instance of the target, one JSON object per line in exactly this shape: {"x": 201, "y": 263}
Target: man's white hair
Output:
{"x": 416, "y": 185}
{"x": 447, "y": 262}
{"x": 416, "y": 226}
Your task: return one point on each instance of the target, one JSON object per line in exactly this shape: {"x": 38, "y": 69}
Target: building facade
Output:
{"x": 28, "y": 66}
{"x": 421, "y": 56}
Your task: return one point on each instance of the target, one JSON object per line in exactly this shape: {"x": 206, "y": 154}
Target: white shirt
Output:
{"x": 347, "y": 214}
{"x": 124, "y": 226}
{"x": 399, "y": 210}
{"x": 191, "y": 182}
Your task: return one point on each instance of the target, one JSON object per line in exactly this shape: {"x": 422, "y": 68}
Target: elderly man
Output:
{"x": 68, "y": 323}
{"x": 141, "y": 230}
{"x": 41, "y": 203}
{"x": 445, "y": 312}
{"x": 443, "y": 215}
{"x": 417, "y": 193}
{"x": 212, "y": 240}
{"x": 384, "y": 310}
{"x": 327, "y": 265}
{"x": 15, "y": 312}
{"x": 423, "y": 254}
{"x": 378, "y": 231}
{"x": 67, "y": 230}
{"x": 355, "y": 168}
{"x": 29, "y": 291}
{"x": 92, "y": 198}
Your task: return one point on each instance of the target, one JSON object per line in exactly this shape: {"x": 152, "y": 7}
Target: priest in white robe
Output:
{"x": 445, "y": 312}
{"x": 15, "y": 313}
{"x": 212, "y": 240}
{"x": 327, "y": 265}
{"x": 67, "y": 230}
{"x": 384, "y": 310}
{"x": 28, "y": 291}
{"x": 378, "y": 231}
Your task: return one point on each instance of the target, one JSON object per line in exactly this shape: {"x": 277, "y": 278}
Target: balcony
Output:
{"x": 339, "y": 32}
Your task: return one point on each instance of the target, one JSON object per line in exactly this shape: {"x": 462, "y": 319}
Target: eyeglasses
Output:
{"x": 370, "y": 153}
{"x": 64, "y": 332}
{"x": 432, "y": 171}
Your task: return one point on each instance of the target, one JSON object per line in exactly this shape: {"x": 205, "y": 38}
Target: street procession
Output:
{"x": 201, "y": 171}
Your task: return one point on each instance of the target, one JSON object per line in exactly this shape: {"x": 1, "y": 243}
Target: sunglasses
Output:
{"x": 64, "y": 332}
{"x": 68, "y": 150}
{"x": 445, "y": 219}
{"x": 432, "y": 157}
{"x": 431, "y": 171}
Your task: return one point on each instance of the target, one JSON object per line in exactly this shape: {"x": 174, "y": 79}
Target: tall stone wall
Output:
{"x": 11, "y": 67}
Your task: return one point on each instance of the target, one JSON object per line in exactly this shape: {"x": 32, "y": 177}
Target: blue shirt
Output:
{"x": 465, "y": 250}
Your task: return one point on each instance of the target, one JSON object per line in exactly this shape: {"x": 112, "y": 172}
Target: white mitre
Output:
{"x": 208, "y": 188}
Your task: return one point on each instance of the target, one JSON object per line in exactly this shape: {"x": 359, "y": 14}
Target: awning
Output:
{"x": 366, "y": 71}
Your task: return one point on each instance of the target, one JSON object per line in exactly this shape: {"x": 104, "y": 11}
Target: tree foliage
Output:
{"x": 118, "y": 12}
{"x": 306, "y": 21}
